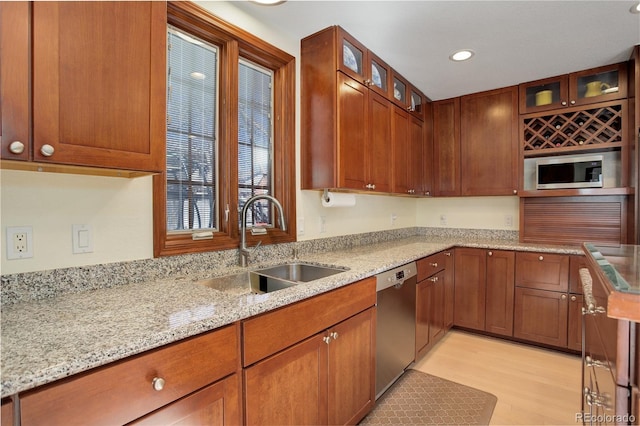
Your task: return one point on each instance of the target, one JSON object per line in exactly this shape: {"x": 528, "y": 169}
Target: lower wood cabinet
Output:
{"x": 216, "y": 404}
{"x": 541, "y": 316}
{"x": 546, "y": 312}
{"x": 312, "y": 362}
{"x": 484, "y": 290}
{"x": 6, "y": 412}
{"x": 172, "y": 377}
{"x": 434, "y": 300}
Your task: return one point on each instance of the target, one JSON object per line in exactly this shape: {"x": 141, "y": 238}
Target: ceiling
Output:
{"x": 513, "y": 41}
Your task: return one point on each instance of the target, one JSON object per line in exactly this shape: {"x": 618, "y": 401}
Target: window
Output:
{"x": 230, "y": 135}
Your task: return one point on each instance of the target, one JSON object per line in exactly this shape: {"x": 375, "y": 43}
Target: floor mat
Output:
{"x": 419, "y": 398}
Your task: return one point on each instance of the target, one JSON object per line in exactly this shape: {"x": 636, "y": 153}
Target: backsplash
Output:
{"x": 29, "y": 286}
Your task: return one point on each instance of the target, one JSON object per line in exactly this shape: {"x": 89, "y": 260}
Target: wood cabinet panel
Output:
{"x": 470, "y": 288}
{"x": 489, "y": 142}
{"x": 446, "y": 147}
{"x": 266, "y": 334}
{"x": 575, "y": 263}
{"x": 423, "y": 311}
{"x": 124, "y": 391}
{"x": 401, "y": 151}
{"x": 82, "y": 101}
{"x": 6, "y": 412}
{"x": 428, "y": 266}
{"x": 544, "y": 271}
{"x": 14, "y": 78}
{"x": 290, "y": 387}
{"x": 216, "y": 404}
{"x": 541, "y": 316}
{"x": 351, "y": 382}
{"x": 436, "y": 317}
{"x": 500, "y": 292}
{"x": 574, "y": 330}
{"x": 379, "y": 131}
{"x": 351, "y": 114}
{"x": 449, "y": 279}
{"x": 327, "y": 378}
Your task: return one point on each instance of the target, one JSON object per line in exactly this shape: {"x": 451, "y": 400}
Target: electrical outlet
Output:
{"x": 323, "y": 224}
{"x": 393, "y": 218}
{"x": 19, "y": 242}
{"x": 508, "y": 221}
{"x": 443, "y": 220}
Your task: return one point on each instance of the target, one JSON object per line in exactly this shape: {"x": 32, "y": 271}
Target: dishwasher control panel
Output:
{"x": 396, "y": 276}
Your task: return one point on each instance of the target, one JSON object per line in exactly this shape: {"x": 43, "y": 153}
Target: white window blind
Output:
{"x": 255, "y": 140}
{"x": 192, "y": 79}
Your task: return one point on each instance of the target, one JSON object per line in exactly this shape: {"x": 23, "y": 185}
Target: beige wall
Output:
{"x": 120, "y": 210}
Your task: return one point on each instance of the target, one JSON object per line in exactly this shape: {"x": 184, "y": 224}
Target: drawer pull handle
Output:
{"x": 157, "y": 383}
{"x": 16, "y": 147}
{"x": 448, "y": 254}
{"x": 587, "y": 292}
{"x": 434, "y": 264}
{"x": 334, "y": 335}
{"x": 541, "y": 258}
{"x": 594, "y": 398}
{"x": 590, "y": 362}
{"x": 47, "y": 150}
{"x": 433, "y": 279}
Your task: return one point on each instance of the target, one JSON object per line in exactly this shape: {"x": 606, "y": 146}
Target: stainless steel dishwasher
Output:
{"x": 395, "y": 325}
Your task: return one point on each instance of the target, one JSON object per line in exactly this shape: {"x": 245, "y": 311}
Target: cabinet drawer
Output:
{"x": 543, "y": 271}
{"x": 428, "y": 266}
{"x": 123, "y": 391}
{"x": 269, "y": 333}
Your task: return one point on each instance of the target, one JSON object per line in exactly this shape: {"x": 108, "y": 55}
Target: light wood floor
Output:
{"x": 534, "y": 386}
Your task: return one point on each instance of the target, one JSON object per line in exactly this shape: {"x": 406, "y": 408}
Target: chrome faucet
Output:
{"x": 244, "y": 252}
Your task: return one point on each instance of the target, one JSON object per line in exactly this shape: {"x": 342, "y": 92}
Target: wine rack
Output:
{"x": 599, "y": 127}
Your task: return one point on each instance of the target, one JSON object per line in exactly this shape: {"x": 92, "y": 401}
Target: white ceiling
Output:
{"x": 514, "y": 41}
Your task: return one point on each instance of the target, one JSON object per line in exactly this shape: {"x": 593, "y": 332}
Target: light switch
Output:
{"x": 82, "y": 240}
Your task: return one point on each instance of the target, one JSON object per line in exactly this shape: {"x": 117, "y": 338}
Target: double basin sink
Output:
{"x": 274, "y": 278}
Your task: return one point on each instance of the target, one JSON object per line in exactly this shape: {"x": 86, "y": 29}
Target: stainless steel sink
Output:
{"x": 299, "y": 272}
{"x": 270, "y": 279}
{"x": 246, "y": 282}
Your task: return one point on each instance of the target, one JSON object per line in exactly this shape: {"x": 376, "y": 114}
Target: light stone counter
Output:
{"x": 51, "y": 338}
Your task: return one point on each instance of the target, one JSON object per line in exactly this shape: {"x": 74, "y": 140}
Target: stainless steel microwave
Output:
{"x": 584, "y": 171}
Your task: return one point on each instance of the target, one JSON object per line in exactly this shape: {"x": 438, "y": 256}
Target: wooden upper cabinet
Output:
{"x": 99, "y": 84}
{"x": 489, "y": 142}
{"x": 579, "y": 88}
{"x": 14, "y": 80}
{"x": 415, "y": 163}
{"x": 401, "y": 151}
{"x": 426, "y": 160}
{"x": 379, "y": 131}
{"x": 446, "y": 147}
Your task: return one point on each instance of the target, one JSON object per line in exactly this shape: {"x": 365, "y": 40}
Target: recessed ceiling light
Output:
{"x": 635, "y": 8}
{"x": 461, "y": 55}
{"x": 268, "y": 2}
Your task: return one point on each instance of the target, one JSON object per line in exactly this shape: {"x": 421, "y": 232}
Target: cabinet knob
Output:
{"x": 16, "y": 147}
{"x": 326, "y": 339}
{"x": 563, "y": 103}
{"x": 157, "y": 383}
{"x": 572, "y": 102}
{"x": 448, "y": 254}
{"x": 573, "y": 298}
{"x": 541, "y": 258}
{"x": 515, "y": 191}
{"x": 334, "y": 335}
{"x": 563, "y": 297}
{"x": 434, "y": 264}
{"x": 47, "y": 150}
{"x": 433, "y": 279}
{"x": 427, "y": 193}
{"x": 490, "y": 253}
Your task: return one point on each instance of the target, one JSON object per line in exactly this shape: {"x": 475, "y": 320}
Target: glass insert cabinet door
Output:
{"x": 379, "y": 77}
{"x": 598, "y": 84}
{"x": 399, "y": 90}
{"x": 544, "y": 94}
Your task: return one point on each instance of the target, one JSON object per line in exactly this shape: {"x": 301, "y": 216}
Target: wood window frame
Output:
{"x": 234, "y": 43}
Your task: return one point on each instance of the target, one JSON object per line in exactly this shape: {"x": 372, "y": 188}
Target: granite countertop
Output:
{"x": 46, "y": 340}
{"x": 619, "y": 269}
